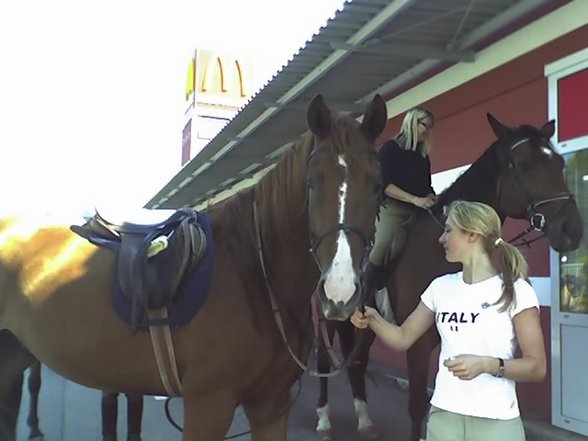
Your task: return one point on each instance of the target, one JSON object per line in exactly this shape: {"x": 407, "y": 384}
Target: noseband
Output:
{"x": 537, "y": 221}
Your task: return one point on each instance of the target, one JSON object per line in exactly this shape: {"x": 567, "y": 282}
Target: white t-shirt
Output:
{"x": 469, "y": 323}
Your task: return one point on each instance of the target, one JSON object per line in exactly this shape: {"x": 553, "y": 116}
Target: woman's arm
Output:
{"x": 395, "y": 192}
{"x": 396, "y": 337}
{"x": 532, "y": 366}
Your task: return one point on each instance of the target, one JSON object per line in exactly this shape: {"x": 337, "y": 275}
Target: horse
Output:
{"x": 304, "y": 229}
{"x": 521, "y": 176}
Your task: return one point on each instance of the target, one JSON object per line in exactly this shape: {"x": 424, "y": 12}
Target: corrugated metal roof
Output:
{"x": 370, "y": 46}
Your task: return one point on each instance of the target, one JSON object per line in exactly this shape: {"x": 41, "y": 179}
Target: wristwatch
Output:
{"x": 500, "y": 372}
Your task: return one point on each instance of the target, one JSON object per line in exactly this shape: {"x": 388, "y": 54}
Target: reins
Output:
{"x": 278, "y": 317}
{"x": 537, "y": 221}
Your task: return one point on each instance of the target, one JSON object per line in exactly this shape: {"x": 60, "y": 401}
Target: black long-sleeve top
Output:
{"x": 407, "y": 169}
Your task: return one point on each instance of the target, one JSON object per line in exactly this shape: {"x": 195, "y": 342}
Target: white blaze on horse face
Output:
{"x": 340, "y": 278}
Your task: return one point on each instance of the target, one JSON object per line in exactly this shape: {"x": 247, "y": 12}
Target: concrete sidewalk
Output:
{"x": 69, "y": 412}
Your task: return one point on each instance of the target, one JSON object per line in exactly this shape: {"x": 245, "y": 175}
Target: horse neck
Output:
{"x": 480, "y": 182}
{"x": 280, "y": 198}
{"x": 280, "y": 201}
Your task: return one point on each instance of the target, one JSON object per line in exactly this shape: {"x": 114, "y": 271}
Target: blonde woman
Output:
{"x": 481, "y": 313}
{"x": 406, "y": 179}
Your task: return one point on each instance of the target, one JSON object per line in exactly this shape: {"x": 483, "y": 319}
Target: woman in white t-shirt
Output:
{"x": 481, "y": 313}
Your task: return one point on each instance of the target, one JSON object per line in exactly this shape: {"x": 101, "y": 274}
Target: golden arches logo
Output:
{"x": 218, "y": 75}
{"x": 225, "y": 73}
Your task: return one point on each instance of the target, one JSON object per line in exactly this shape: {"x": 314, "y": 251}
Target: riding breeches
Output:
{"x": 387, "y": 242}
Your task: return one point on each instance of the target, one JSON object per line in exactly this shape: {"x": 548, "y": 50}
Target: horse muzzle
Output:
{"x": 335, "y": 309}
{"x": 565, "y": 231}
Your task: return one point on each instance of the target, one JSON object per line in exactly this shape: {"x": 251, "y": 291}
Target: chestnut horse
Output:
{"x": 521, "y": 176}
{"x": 55, "y": 287}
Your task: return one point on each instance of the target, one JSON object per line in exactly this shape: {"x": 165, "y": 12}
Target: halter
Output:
{"x": 537, "y": 221}
{"x": 347, "y": 228}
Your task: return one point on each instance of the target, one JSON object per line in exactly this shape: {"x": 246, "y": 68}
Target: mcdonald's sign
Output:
{"x": 217, "y": 75}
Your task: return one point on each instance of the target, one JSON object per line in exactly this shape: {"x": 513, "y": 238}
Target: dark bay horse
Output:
{"x": 323, "y": 196}
{"x": 521, "y": 176}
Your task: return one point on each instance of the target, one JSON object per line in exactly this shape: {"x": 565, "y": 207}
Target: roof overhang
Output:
{"x": 370, "y": 46}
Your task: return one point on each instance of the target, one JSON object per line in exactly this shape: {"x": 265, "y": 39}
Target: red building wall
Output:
{"x": 515, "y": 93}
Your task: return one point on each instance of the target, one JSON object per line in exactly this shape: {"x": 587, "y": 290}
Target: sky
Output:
{"x": 91, "y": 93}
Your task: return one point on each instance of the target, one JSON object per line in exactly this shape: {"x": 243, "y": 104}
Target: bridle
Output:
{"x": 316, "y": 240}
{"x": 315, "y": 243}
{"x": 537, "y": 221}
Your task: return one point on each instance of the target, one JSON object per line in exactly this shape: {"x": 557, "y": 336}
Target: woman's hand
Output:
{"x": 362, "y": 320}
{"x": 426, "y": 202}
{"x": 467, "y": 367}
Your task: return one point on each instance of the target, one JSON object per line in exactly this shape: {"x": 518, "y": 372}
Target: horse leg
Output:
{"x": 109, "y": 411}
{"x": 356, "y": 372}
{"x": 14, "y": 359}
{"x": 269, "y": 418}
{"x": 208, "y": 416}
{"x": 323, "y": 426}
{"x": 418, "y": 371}
{"x": 134, "y": 416}
{"x": 34, "y": 385}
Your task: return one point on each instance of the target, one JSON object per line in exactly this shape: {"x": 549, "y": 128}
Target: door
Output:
{"x": 568, "y": 95}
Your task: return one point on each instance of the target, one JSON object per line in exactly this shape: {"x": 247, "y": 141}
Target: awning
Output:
{"x": 370, "y": 46}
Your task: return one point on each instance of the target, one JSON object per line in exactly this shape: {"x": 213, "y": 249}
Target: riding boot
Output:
{"x": 372, "y": 276}
{"x": 134, "y": 417}
{"x": 109, "y": 407}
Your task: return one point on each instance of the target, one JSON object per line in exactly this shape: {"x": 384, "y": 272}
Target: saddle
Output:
{"x": 153, "y": 257}
{"x": 152, "y": 261}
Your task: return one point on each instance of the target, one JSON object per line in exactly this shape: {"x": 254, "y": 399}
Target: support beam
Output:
{"x": 419, "y": 52}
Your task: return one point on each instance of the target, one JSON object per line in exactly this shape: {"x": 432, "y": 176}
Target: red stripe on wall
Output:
{"x": 572, "y": 93}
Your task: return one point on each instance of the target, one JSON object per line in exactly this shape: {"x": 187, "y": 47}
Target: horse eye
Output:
{"x": 525, "y": 165}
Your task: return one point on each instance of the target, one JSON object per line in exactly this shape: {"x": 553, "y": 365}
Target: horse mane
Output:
{"x": 479, "y": 176}
{"x": 478, "y": 181}
{"x": 281, "y": 194}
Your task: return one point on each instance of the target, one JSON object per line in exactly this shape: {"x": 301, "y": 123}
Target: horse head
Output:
{"x": 532, "y": 184}
{"x": 343, "y": 191}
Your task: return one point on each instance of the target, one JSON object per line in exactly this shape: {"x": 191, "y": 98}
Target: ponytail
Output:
{"x": 513, "y": 266}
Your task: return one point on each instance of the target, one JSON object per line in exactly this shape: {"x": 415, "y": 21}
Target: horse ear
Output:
{"x": 318, "y": 117}
{"x": 501, "y": 131}
{"x": 375, "y": 117}
{"x": 548, "y": 129}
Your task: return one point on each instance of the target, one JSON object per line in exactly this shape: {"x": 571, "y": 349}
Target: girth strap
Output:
{"x": 163, "y": 349}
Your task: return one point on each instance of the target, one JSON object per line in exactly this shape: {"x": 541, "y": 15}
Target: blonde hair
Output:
{"x": 479, "y": 218}
{"x": 408, "y": 136}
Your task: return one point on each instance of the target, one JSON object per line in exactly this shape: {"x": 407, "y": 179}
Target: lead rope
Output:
{"x": 278, "y": 318}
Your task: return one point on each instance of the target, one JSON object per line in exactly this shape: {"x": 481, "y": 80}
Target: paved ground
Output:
{"x": 69, "y": 412}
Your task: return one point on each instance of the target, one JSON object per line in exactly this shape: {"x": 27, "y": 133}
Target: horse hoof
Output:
{"x": 325, "y": 435}
{"x": 37, "y": 438}
{"x": 368, "y": 433}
